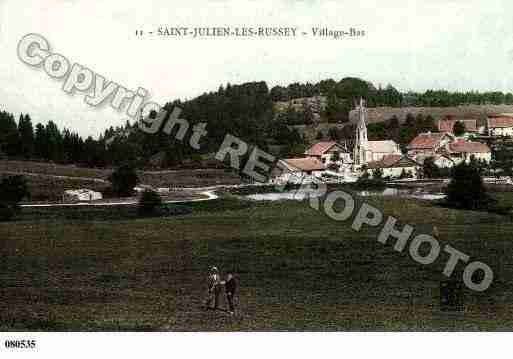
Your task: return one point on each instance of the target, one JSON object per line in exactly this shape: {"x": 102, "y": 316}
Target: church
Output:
{"x": 366, "y": 151}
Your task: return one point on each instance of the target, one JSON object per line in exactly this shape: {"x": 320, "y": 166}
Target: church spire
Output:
{"x": 361, "y": 136}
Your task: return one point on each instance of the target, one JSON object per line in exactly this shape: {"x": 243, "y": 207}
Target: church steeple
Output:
{"x": 360, "y": 144}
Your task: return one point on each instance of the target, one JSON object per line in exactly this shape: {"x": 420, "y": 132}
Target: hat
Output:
{"x": 214, "y": 269}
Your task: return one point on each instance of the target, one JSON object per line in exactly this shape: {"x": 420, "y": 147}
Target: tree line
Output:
{"x": 352, "y": 88}
{"x": 244, "y": 110}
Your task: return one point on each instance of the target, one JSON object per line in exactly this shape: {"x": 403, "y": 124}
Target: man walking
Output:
{"x": 214, "y": 289}
{"x": 230, "y": 286}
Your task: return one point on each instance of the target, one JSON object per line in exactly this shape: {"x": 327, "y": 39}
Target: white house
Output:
{"x": 330, "y": 153}
{"x": 500, "y": 125}
{"x": 142, "y": 188}
{"x": 443, "y": 161}
{"x": 377, "y": 150}
{"x": 461, "y": 150}
{"x": 297, "y": 170}
{"x": 427, "y": 144}
{"x": 81, "y": 195}
{"x": 393, "y": 166}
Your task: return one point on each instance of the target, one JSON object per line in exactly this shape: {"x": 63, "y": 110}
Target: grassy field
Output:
{"x": 297, "y": 269}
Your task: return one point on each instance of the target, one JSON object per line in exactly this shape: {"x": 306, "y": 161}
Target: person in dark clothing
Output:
{"x": 230, "y": 286}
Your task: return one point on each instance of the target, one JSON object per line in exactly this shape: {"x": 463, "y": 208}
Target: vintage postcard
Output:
{"x": 231, "y": 167}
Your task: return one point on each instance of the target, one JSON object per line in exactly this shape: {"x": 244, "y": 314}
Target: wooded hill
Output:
{"x": 245, "y": 111}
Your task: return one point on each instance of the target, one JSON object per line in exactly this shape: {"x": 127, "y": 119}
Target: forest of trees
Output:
{"x": 245, "y": 111}
{"x": 351, "y": 89}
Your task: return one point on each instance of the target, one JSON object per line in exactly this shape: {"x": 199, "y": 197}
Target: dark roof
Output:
{"x": 393, "y": 161}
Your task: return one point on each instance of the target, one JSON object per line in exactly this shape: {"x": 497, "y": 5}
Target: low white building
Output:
{"x": 297, "y": 170}
{"x": 377, "y": 150}
{"x": 394, "y": 166}
{"x": 142, "y": 188}
{"x": 81, "y": 195}
{"x": 443, "y": 161}
{"x": 500, "y": 125}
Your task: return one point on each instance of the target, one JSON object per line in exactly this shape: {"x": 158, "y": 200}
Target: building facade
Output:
{"x": 330, "y": 154}
{"x": 366, "y": 151}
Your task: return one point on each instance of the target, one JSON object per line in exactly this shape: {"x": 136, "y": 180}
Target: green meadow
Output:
{"x": 297, "y": 270}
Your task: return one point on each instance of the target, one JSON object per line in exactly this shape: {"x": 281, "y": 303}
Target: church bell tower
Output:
{"x": 360, "y": 143}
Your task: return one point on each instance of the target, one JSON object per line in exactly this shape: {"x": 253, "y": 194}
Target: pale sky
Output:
{"x": 412, "y": 44}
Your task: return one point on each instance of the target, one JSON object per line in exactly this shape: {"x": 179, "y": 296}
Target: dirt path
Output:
{"x": 210, "y": 196}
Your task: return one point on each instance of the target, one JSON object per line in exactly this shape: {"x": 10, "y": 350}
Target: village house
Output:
{"x": 447, "y": 125}
{"x": 395, "y": 166}
{"x": 297, "y": 170}
{"x": 377, "y": 150}
{"x": 330, "y": 154}
{"x": 427, "y": 145}
{"x": 461, "y": 150}
{"x": 500, "y": 125}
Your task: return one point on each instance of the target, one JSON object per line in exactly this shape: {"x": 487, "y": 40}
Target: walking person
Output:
{"x": 230, "y": 286}
{"x": 214, "y": 289}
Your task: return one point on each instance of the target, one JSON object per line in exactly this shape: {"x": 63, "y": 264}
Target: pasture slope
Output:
{"x": 298, "y": 270}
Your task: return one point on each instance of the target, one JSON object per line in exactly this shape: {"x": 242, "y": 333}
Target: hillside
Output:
{"x": 380, "y": 114}
{"x": 48, "y": 181}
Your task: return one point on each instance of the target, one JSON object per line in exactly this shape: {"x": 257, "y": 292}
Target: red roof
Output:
{"x": 320, "y": 148}
{"x": 426, "y": 141}
{"x": 305, "y": 164}
{"x": 463, "y": 146}
{"x": 447, "y": 125}
{"x": 500, "y": 122}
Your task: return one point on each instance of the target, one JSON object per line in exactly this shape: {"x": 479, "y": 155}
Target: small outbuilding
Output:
{"x": 81, "y": 195}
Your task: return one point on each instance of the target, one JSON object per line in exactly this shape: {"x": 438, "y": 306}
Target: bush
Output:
{"x": 466, "y": 189}
{"x": 459, "y": 128}
{"x": 430, "y": 169}
{"x": 12, "y": 190}
{"x": 7, "y": 212}
{"x": 149, "y": 203}
{"x": 366, "y": 181}
{"x": 123, "y": 180}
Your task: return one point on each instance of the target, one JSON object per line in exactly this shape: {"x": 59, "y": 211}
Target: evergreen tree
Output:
{"x": 430, "y": 169}
{"x": 9, "y": 135}
{"x": 123, "y": 180}
{"x": 149, "y": 202}
{"x": 466, "y": 189}
{"x": 26, "y": 131}
{"x": 40, "y": 142}
{"x": 459, "y": 128}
